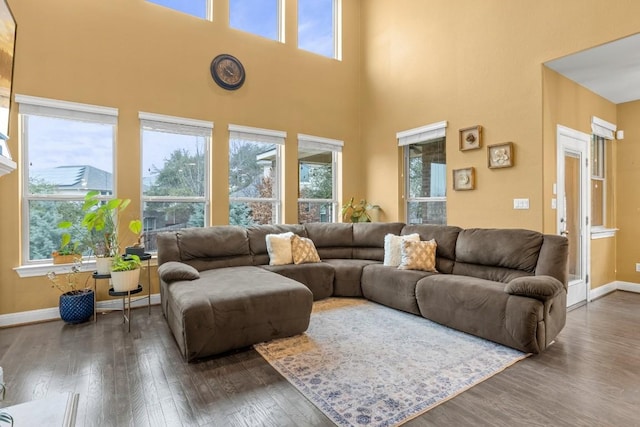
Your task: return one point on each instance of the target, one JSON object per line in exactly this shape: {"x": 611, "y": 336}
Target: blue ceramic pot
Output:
{"x": 76, "y": 306}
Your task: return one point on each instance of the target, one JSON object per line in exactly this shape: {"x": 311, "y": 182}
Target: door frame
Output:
{"x": 573, "y": 140}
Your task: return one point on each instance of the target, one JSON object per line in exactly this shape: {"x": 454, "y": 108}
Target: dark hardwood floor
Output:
{"x": 589, "y": 377}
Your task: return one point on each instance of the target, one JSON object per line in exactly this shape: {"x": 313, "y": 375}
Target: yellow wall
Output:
{"x": 473, "y": 63}
{"x": 569, "y": 104}
{"x": 628, "y": 196}
{"x": 137, "y": 56}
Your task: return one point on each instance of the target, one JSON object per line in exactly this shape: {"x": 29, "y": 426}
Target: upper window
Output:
{"x": 319, "y": 27}
{"x": 318, "y": 160}
{"x": 598, "y": 183}
{"x": 260, "y": 17}
{"x": 425, "y": 174}
{"x": 68, "y": 151}
{"x": 254, "y": 175}
{"x": 175, "y": 171}
{"x": 200, "y": 8}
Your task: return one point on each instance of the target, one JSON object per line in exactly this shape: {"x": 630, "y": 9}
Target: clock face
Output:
{"x": 227, "y": 72}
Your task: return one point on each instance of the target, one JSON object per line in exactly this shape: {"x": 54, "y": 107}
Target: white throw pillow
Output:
{"x": 393, "y": 246}
{"x": 279, "y": 248}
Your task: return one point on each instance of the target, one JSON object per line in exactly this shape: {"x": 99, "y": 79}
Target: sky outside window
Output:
{"x": 258, "y": 17}
{"x": 316, "y": 27}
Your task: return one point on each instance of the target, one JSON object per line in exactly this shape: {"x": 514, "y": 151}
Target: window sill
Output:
{"x": 40, "y": 270}
{"x": 603, "y": 233}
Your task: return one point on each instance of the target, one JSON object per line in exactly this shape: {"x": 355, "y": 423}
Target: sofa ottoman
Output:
{"x": 235, "y": 307}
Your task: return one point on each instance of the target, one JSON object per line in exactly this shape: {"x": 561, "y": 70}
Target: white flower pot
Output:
{"x": 124, "y": 281}
{"x": 103, "y": 265}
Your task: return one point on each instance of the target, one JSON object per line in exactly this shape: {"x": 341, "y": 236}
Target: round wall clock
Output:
{"x": 227, "y": 72}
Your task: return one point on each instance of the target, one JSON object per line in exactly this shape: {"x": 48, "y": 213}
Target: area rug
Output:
{"x": 364, "y": 364}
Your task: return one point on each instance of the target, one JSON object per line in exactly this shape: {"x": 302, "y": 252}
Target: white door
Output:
{"x": 573, "y": 208}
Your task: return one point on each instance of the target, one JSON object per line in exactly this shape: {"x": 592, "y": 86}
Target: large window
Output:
{"x": 68, "y": 151}
{"x": 319, "y": 26}
{"x": 318, "y": 160}
{"x": 254, "y": 175}
{"x": 175, "y": 174}
{"x": 598, "y": 183}
{"x": 200, "y": 8}
{"x": 261, "y": 17}
{"x": 425, "y": 174}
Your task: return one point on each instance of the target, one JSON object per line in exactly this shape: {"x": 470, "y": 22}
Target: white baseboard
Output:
{"x": 603, "y": 290}
{"x": 45, "y": 314}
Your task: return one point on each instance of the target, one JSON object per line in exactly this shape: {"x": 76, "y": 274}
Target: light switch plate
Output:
{"x": 520, "y": 203}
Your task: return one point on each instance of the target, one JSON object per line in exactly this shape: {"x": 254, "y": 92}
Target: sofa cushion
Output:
{"x": 318, "y": 277}
{"x": 482, "y": 308}
{"x": 538, "y": 287}
{"x": 348, "y": 275}
{"x": 420, "y": 255}
{"x": 445, "y": 236}
{"x": 393, "y": 248}
{"x": 212, "y": 242}
{"x": 279, "y": 248}
{"x": 235, "y": 307}
{"x": 173, "y": 271}
{"x": 258, "y": 242}
{"x": 303, "y": 250}
{"x": 332, "y": 240}
{"x": 392, "y": 287}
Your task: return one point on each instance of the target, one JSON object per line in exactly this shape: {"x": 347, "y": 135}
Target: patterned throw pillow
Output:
{"x": 303, "y": 250}
{"x": 419, "y": 255}
{"x": 279, "y": 248}
{"x": 392, "y": 249}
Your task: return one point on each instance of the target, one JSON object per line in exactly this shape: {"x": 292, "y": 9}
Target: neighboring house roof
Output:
{"x": 75, "y": 177}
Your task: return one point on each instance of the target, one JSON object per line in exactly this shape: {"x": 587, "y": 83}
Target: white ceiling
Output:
{"x": 611, "y": 70}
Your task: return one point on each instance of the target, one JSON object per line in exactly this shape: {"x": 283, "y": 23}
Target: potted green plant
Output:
{"x": 135, "y": 226}
{"x": 75, "y": 303}
{"x": 101, "y": 223}
{"x": 125, "y": 273}
{"x": 68, "y": 252}
{"x": 358, "y": 212}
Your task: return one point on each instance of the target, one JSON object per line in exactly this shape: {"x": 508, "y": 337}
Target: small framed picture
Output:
{"x": 500, "y": 155}
{"x": 464, "y": 179}
{"x": 471, "y": 138}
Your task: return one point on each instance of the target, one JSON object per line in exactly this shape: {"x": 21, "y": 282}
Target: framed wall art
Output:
{"x": 500, "y": 155}
{"x": 7, "y": 48}
{"x": 471, "y": 138}
{"x": 464, "y": 179}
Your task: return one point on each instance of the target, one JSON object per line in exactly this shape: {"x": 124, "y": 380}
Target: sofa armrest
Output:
{"x": 174, "y": 271}
{"x": 541, "y": 288}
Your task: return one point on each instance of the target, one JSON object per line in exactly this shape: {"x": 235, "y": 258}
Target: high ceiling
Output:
{"x": 611, "y": 70}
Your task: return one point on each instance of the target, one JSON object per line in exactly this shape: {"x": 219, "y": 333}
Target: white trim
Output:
{"x": 603, "y": 128}
{"x": 310, "y": 142}
{"x": 66, "y": 105}
{"x": 257, "y": 131}
{"x": 175, "y": 120}
{"x": 45, "y": 314}
{"x": 617, "y": 285}
{"x": 7, "y": 165}
{"x": 603, "y": 233}
{"x": 422, "y": 134}
{"x": 319, "y": 139}
{"x": 337, "y": 29}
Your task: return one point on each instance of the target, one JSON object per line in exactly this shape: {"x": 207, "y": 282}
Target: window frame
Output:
{"x": 45, "y": 107}
{"x": 336, "y": 31}
{"x": 280, "y": 18}
{"x": 419, "y": 135}
{"x": 326, "y": 144}
{"x": 606, "y": 131}
{"x": 266, "y": 136}
{"x": 181, "y": 126}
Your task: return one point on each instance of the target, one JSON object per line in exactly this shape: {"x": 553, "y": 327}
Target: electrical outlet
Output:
{"x": 638, "y": 267}
{"x": 520, "y": 203}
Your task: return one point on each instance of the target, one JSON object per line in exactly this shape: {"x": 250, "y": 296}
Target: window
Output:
{"x": 319, "y": 26}
{"x": 175, "y": 174}
{"x": 601, "y": 132}
{"x": 260, "y": 17}
{"x": 200, "y": 8}
{"x": 425, "y": 174}
{"x": 68, "y": 151}
{"x": 597, "y": 181}
{"x": 254, "y": 175}
{"x": 317, "y": 178}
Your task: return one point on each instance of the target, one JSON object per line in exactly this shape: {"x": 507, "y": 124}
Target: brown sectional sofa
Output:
{"x": 218, "y": 292}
